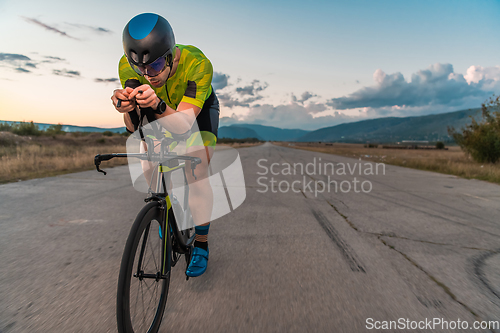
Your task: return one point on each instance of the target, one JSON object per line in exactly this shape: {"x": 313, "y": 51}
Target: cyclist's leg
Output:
{"x": 200, "y": 202}
{"x": 200, "y": 191}
{"x": 202, "y": 145}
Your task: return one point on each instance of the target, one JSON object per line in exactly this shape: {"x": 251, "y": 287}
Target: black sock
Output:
{"x": 201, "y": 245}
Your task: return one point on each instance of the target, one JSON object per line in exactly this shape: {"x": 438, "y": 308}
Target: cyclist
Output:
{"x": 171, "y": 83}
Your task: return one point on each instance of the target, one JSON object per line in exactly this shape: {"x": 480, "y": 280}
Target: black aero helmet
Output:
{"x": 147, "y": 38}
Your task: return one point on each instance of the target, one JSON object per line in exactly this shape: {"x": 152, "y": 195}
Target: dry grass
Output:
{"x": 452, "y": 161}
{"x": 241, "y": 145}
{"x": 22, "y": 158}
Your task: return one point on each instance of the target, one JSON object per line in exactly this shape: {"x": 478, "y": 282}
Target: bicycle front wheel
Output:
{"x": 142, "y": 286}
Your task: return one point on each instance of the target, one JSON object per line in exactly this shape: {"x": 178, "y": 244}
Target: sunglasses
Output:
{"x": 153, "y": 69}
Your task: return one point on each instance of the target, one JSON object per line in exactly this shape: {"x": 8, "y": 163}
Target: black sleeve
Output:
{"x": 133, "y": 83}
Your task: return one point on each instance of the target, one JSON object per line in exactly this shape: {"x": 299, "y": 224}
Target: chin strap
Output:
{"x": 166, "y": 88}
{"x": 171, "y": 63}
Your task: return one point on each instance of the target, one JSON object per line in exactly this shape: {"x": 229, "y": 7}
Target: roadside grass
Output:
{"x": 452, "y": 161}
{"x": 24, "y": 158}
{"x": 240, "y": 145}
{"x": 28, "y": 157}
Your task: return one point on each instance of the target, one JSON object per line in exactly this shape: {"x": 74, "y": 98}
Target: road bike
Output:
{"x": 157, "y": 240}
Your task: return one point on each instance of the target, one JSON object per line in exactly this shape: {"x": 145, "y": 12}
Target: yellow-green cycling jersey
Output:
{"x": 191, "y": 83}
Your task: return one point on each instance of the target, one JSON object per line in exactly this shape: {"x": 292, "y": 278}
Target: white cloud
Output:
{"x": 293, "y": 115}
{"x": 486, "y": 77}
{"x": 437, "y": 89}
{"x": 436, "y": 86}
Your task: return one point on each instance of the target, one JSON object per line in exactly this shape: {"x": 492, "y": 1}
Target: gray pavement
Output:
{"x": 418, "y": 246}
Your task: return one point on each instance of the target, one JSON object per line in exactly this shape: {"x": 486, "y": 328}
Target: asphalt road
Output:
{"x": 402, "y": 245}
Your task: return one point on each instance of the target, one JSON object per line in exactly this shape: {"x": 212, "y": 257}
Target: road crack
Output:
{"x": 433, "y": 243}
{"x": 434, "y": 279}
{"x": 392, "y": 235}
{"x": 440, "y": 284}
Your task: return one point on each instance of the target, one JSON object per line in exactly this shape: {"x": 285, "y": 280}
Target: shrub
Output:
{"x": 55, "y": 130}
{"x": 107, "y": 133}
{"x": 439, "y": 145}
{"x": 101, "y": 140}
{"x": 5, "y": 127}
{"x": 482, "y": 140}
{"x": 26, "y": 129}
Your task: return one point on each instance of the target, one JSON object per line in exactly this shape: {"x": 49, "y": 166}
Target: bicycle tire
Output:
{"x": 129, "y": 287}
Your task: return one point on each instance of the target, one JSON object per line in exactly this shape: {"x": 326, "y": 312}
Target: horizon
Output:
{"x": 363, "y": 61}
{"x": 243, "y": 123}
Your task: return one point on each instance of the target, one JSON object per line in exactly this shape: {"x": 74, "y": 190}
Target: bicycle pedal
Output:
{"x": 187, "y": 277}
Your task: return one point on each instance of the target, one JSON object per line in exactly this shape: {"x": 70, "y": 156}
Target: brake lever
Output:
{"x": 104, "y": 172}
{"x": 97, "y": 162}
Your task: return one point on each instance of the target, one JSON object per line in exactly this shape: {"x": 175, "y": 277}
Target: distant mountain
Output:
{"x": 237, "y": 132}
{"x": 380, "y": 130}
{"x": 73, "y": 128}
{"x": 270, "y": 133}
{"x": 392, "y": 129}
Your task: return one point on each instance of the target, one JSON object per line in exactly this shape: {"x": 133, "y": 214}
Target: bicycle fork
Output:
{"x": 161, "y": 274}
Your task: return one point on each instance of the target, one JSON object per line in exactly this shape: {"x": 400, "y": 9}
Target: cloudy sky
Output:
{"x": 290, "y": 64}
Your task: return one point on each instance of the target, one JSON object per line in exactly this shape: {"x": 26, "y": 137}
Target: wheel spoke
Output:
{"x": 151, "y": 299}
{"x": 148, "y": 258}
{"x": 143, "y": 314}
{"x": 153, "y": 254}
{"x": 136, "y": 301}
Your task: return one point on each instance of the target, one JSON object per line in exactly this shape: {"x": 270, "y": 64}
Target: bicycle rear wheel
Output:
{"x": 141, "y": 300}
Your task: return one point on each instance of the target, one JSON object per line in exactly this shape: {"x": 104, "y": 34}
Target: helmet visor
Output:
{"x": 152, "y": 69}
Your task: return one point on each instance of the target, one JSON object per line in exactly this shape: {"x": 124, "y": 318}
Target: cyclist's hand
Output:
{"x": 145, "y": 96}
{"x": 123, "y": 95}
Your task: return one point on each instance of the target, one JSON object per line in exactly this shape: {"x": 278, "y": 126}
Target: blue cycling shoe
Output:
{"x": 198, "y": 263}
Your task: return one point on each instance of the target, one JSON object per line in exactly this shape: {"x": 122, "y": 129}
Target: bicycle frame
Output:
{"x": 167, "y": 163}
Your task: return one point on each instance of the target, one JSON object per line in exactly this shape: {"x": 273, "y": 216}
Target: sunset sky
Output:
{"x": 289, "y": 64}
